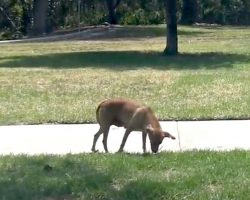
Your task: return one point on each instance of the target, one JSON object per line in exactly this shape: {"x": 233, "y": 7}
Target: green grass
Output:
{"x": 188, "y": 175}
{"x": 62, "y": 82}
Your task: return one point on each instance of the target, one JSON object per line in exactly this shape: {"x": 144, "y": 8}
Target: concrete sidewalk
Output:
{"x": 63, "y": 139}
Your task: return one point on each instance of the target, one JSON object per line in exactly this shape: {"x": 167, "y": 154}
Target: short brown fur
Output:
{"x": 133, "y": 117}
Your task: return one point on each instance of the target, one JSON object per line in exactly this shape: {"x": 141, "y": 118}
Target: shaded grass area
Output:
{"x": 126, "y": 60}
{"x": 62, "y": 82}
{"x": 187, "y": 175}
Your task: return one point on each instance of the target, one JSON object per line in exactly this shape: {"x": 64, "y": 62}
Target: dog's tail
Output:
{"x": 98, "y": 111}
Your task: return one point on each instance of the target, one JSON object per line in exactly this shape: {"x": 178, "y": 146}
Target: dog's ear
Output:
{"x": 149, "y": 129}
{"x": 166, "y": 134}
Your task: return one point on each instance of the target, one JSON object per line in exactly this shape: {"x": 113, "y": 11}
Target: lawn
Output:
{"x": 176, "y": 176}
{"x": 63, "y": 81}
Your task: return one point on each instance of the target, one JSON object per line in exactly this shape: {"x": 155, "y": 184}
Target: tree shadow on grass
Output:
{"x": 27, "y": 178}
{"x": 69, "y": 177}
{"x": 125, "y": 60}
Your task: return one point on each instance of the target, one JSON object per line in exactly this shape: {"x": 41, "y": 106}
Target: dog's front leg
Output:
{"x": 125, "y": 137}
{"x": 144, "y": 137}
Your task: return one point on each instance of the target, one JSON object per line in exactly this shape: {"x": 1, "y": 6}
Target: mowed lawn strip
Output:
{"x": 188, "y": 175}
{"x": 62, "y": 82}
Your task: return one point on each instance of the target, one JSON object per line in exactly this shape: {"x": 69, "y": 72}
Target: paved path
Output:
{"x": 90, "y": 32}
{"x": 62, "y": 139}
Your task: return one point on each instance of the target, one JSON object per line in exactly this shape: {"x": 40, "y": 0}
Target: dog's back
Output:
{"x": 116, "y": 112}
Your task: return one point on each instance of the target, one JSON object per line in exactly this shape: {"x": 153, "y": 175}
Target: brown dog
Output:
{"x": 133, "y": 117}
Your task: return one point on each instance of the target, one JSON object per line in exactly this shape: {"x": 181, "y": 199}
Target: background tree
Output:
{"x": 171, "y": 19}
{"x": 26, "y": 16}
{"x": 112, "y": 5}
{"x": 40, "y": 8}
{"x": 189, "y": 12}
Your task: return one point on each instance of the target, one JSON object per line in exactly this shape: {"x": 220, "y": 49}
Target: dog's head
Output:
{"x": 156, "y": 137}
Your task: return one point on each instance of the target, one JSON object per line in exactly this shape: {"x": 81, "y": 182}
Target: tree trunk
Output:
{"x": 112, "y": 18}
{"x": 40, "y": 8}
{"x": 172, "y": 38}
{"x": 26, "y": 17}
{"x": 189, "y": 11}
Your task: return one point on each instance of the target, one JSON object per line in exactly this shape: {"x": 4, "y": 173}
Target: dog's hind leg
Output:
{"x": 97, "y": 135}
{"x": 105, "y": 138}
{"x": 144, "y": 137}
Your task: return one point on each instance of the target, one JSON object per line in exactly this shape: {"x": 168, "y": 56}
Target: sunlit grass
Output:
{"x": 62, "y": 82}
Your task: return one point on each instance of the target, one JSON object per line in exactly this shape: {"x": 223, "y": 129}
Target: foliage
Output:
{"x": 16, "y": 15}
{"x": 225, "y": 12}
{"x": 11, "y": 19}
{"x": 141, "y": 12}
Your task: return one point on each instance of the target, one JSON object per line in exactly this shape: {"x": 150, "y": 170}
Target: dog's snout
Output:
{"x": 155, "y": 150}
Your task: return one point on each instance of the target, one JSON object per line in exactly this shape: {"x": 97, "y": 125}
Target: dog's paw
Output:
{"x": 120, "y": 151}
{"x": 94, "y": 151}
